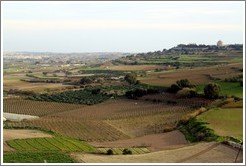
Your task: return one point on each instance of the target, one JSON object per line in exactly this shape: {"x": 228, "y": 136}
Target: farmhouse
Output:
{"x": 117, "y": 78}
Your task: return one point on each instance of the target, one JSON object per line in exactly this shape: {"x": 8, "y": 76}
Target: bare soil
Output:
{"x": 197, "y": 76}
{"x": 154, "y": 142}
{"x": 197, "y": 153}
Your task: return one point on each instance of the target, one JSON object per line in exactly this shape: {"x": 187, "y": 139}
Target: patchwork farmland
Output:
{"x": 136, "y": 108}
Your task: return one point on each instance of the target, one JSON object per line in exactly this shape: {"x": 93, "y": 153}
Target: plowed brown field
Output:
{"x": 196, "y": 75}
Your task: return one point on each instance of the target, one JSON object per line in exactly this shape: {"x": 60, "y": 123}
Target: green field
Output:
{"x": 225, "y": 122}
{"x": 231, "y": 89}
{"x": 37, "y": 157}
{"x": 50, "y": 144}
{"x": 226, "y": 88}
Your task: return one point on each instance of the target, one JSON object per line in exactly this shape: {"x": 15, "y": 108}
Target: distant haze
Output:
{"x": 118, "y": 26}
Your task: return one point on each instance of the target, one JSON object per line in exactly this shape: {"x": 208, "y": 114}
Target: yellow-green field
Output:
{"x": 225, "y": 122}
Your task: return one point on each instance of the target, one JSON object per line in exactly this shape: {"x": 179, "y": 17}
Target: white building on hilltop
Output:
{"x": 220, "y": 43}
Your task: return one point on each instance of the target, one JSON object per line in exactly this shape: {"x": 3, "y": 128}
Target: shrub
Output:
{"x": 184, "y": 83}
{"x": 174, "y": 88}
{"x": 131, "y": 78}
{"x": 180, "y": 84}
{"x": 136, "y": 93}
{"x": 126, "y": 151}
{"x": 96, "y": 91}
{"x": 137, "y": 82}
{"x": 85, "y": 80}
{"x": 196, "y": 130}
{"x": 45, "y": 73}
{"x": 211, "y": 91}
{"x": 110, "y": 152}
{"x": 186, "y": 93}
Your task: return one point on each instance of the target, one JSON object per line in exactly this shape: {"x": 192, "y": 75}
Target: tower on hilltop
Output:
{"x": 219, "y": 43}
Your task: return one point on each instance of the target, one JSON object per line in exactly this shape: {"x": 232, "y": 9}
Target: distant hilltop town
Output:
{"x": 218, "y": 49}
{"x": 194, "y": 48}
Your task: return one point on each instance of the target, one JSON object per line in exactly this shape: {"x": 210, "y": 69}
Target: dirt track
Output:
{"x": 198, "y": 153}
{"x": 154, "y": 142}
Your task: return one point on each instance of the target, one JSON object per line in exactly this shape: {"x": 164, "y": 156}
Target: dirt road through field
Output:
{"x": 211, "y": 152}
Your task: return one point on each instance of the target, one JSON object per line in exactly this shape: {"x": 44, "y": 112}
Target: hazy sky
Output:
{"x": 118, "y": 26}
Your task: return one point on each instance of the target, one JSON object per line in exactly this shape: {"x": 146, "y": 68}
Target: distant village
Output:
{"x": 194, "y": 48}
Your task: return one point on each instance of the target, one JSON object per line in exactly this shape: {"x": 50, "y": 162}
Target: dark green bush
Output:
{"x": 186, "y": 93}
{"x": 85, "y": 80}
{"x": 212, "y": 90}
{"x": 126, "y": 151}
{"x": 131, "y": 78}
{"x": 110, "y": 152}
{"x": 195, "y": 130}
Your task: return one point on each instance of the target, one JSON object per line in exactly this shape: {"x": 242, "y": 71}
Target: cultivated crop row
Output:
{"x": 118, "y": 109}
{"x": 37, "y": 108}
{"x": 50, "y": 144}
{"x": 85, "y": 130}
{"x": 111, "y": 120}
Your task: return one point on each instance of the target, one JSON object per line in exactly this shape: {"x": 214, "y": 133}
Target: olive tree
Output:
{"x": 212, "y": 90}
{"x": 131, "y": 78}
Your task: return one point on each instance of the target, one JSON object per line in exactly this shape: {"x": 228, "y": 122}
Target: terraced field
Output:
{"x": 87, "y": 130}
{"x": 201, "y": 75}
{"x": 107, "y": 121}
{"x": 135, "y": 67}
{"x": 13, "y": 81}
{"x": 36, "y": 108}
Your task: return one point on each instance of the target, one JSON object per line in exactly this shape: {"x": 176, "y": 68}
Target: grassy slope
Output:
{"x": 228, "y": 88}
{"x": 225, "y": 122}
